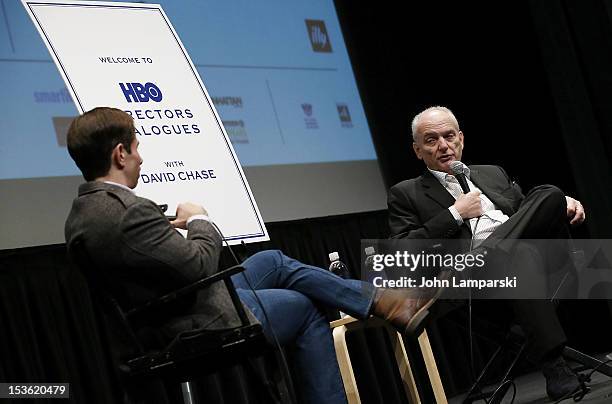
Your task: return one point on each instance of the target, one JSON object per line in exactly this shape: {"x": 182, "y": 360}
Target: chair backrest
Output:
{"x": 133, "y": 335}
{"x": 190, "y": 352}
{"x": 124, "y": 341}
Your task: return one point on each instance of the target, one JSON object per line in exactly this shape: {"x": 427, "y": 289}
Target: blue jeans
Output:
{"x": 290, "y": 291}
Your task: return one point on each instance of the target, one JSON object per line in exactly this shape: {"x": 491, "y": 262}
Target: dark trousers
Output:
{"x": 541, "y": 215}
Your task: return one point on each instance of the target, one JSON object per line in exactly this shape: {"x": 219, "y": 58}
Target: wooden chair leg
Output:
{"x": 187, "y": 393}
{"x": 432, "y": 369}
{"x": 346, "y": 368}
{"x": 403, "y": 365}
{"x": 340, "y": 328}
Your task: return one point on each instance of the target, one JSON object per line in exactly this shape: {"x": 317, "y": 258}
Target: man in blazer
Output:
{"x": 143, "y": 257}
{"x": 494, "y": 215}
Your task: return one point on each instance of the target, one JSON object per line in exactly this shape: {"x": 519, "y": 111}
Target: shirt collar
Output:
{"x": 120, "y": 186}
{"x": 441, "y": 175}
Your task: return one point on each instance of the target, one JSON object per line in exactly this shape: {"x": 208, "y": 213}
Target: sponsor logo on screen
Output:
{"x": 236, "y": 131}
{"x": 317, "y": 33}
{"x": 344, "y": 115}
{"x": 307, "y": 108}
{"x": 309, "y": 120}
{"x": 227, "y": 101}
{"x": 137, "y": 92}
{"x": 61, "y": 96}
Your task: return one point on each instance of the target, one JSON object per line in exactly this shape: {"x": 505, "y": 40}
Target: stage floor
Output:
{"x": 530, "y": 389}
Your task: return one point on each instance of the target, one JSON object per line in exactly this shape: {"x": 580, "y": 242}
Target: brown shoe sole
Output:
{"x": 417, "y": 322}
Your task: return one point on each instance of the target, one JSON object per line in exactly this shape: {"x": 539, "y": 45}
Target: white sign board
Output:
{"x": 128, "y": 56}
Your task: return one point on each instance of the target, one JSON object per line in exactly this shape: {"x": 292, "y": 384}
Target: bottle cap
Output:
{"x": 334, "y": 256}
{"x": 369, "y": 250}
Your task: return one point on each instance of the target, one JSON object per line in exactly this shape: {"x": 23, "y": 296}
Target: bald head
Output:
{"x": 433, "y": 112}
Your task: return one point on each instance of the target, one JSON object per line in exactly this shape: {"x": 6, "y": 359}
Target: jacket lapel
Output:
{"x": 435, "y": 191}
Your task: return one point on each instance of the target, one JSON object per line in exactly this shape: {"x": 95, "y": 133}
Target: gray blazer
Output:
{"x": 131, "y": 240}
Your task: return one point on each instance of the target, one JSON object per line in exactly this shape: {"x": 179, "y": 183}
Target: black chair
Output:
{"x": 189, "y": 354}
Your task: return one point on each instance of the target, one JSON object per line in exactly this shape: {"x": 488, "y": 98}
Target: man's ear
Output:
{"x": 417, "y": 150}
{"x": 461, "y": 140}
{"x": 118, "y": 156}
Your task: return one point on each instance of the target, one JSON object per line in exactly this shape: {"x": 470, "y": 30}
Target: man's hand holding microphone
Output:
{"x": 469, "y": 205}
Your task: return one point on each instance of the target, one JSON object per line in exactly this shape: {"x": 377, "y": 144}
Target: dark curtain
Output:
{"x": 576, "y": 43}
{"x": 48, "y": 330}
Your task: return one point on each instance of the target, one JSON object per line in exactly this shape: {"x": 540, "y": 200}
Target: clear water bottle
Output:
{"x": 371, "y": 275}
{"x": 339, "y": 268}
{"x": 369, "y": 259}
{"x": 369, "y": 272}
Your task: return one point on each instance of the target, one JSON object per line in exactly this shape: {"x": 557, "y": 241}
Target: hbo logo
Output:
{"x": 136, "y": 92}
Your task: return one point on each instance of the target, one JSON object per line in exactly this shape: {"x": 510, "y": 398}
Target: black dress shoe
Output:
{"x": 561, "y": 381}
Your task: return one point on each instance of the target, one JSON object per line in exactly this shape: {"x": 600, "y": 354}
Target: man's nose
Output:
{"x": 442, "y": 144}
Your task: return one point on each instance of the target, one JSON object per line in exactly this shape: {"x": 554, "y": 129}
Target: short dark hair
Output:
{"x": 93, "y": 136}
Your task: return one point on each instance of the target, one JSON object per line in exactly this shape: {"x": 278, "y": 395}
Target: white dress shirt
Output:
{"x": 482, "y": 226}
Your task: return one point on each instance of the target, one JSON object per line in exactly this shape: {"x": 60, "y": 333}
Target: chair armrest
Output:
{"x": 197, "y": 285}
{"x": 342, "y": 321}
{"x": 352, "y": 323}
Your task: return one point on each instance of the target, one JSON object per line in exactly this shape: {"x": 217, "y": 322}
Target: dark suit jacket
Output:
{"x": 131, "y": 240}
{"x": 418, "y": 208}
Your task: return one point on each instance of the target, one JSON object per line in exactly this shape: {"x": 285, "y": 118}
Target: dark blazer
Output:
{"x": 131, "y": 240}
{"x": 418, "y": 208}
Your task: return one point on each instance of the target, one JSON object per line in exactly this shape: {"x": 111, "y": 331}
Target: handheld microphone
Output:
{"x": 457, "y": 168}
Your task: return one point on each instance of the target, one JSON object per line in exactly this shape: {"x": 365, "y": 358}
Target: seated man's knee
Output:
{"x": 553, "y": 194}
{"x": 267, "y": 258}
{"x": 549, "y": 189}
